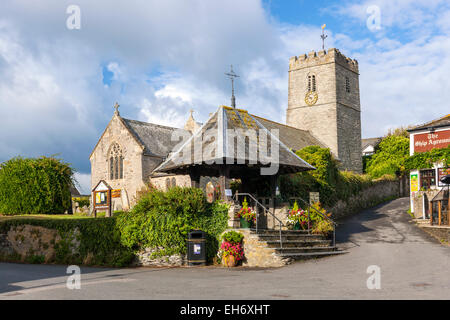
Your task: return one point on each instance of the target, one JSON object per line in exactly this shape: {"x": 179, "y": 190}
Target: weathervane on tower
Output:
{"x": 232, "y": 75}
{"x": 323, "y": 36}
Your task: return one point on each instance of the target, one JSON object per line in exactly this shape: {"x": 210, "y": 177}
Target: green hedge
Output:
{"x": 160, "y": 219}
{"x": 164, "y": 219}
{"x": 100, "y": 240}
{"x": 332, "y": 184}
{"x": 425, "y": 160}
{"x": 35, "y": 186}
{"x": 390, "y": 157}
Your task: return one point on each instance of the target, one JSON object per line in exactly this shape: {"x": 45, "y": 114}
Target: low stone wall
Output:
{"x": 34, "y": 243}
{"x": 147, "y": 258}
{"x": 258, "y": 254}
{"x": 378, "y": 193}
{"x": 440, "y": 233}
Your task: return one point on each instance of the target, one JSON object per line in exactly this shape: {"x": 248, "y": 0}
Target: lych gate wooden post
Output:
{"x": 224, "y": 177}
{"x": 448, "y": 209}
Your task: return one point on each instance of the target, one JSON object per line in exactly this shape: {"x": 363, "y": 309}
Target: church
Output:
{"x": 323, "y": 109}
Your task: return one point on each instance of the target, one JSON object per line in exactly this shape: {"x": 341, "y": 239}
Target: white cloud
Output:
{"x": 168, "y": 57}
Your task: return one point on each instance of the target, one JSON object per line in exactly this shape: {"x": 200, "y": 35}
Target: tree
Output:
{"x": 35, "y": 186}
{"x": 390, "y": 157}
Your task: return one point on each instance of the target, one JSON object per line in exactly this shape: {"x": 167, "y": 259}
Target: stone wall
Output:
{"x": 376, "y": 194}
{"x": 442, "y": 234}
{"x": 147, "y": 258}
{"x": 27, "y": 242}
{"x": 258, "y": 254}
{"x": 421, "y": 198}
{"x": 161, "y": 182}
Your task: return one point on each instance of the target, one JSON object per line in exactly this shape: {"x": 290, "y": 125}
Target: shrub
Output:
{"x": 99, "y": 240}
{"x": 324, "y": 227}
{"x": 35, "y": 186}
{"x": 164, "y": 219}
{"x": 332, "y": 184}
{"x": 425, "y": 160}
{"x": 390, "y": 157}
{"x": 232, "y": 236}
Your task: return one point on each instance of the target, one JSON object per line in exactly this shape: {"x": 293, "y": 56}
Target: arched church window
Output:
{"x": 311, "y": 83}
{"x": 115, "y": 162}
{"x": 174, "y": 182}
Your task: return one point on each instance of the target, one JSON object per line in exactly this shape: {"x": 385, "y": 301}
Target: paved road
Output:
{"x": 413, "y": 266}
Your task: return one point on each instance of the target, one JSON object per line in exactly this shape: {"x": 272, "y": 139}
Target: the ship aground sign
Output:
{"x": 433, "y": 140}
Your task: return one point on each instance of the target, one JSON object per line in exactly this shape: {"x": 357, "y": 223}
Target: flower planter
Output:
{"x": 245, "y": 224}
{"x": 229, "y": 261}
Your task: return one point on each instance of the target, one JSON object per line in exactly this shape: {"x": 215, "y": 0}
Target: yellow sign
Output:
{"x": 414, "y": 183}
{"x": 115, "y": 193}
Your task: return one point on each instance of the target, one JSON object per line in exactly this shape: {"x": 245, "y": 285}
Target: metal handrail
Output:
{"x": 280, "y": 223}
{"x": 322, "y": 215}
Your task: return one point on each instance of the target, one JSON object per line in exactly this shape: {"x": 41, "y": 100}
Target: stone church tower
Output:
{"x": 324, "y": 99}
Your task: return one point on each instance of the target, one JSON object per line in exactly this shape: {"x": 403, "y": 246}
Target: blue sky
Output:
{"x": 159, "y": 59}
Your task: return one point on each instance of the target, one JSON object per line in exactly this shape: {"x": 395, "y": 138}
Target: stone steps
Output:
{"x": 296, "y": 244}
{"x": 304, "y": 237}
{"x": 285, "y": 250}
{"x": 277, "y": 232}
{"x": 308, "y": 255}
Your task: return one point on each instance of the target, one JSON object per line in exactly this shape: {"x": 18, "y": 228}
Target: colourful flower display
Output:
{"x": 246, "y": 212}
{"x": 298, "y": 216}
{"x": 232, "y": 248}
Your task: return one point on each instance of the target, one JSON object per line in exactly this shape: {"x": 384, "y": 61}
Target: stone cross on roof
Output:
{"x": 116, "y": 107}
{"x": 232, "y": 76}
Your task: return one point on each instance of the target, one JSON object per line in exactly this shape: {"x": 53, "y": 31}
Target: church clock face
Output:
{"x": 311, "y": 98}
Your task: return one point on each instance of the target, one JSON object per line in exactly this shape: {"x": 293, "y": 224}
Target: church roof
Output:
{"x": 294, "y": 138}
{"x": 216, "y": 146}
{"x": 156, "y": 139}
{"x": 441, "y": 122}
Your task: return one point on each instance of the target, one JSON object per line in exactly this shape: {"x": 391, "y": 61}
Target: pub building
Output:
{"x": 428, "y": 194}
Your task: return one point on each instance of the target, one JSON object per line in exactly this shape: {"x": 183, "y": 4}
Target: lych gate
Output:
{"x": 233, "y": 144}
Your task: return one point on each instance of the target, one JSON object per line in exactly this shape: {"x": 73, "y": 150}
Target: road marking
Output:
{"x": 59, "y": 286}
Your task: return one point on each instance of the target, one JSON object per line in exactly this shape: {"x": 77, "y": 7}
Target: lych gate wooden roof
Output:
{"x": 214, "y": 144}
